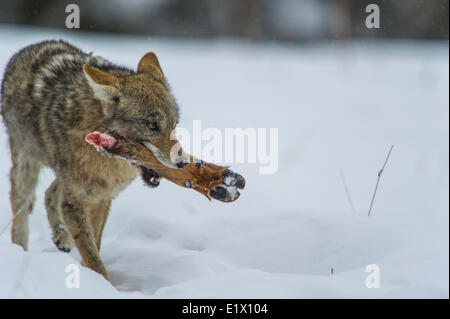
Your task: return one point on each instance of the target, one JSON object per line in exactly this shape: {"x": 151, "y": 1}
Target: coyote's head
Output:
{"x": 139, "y": 107}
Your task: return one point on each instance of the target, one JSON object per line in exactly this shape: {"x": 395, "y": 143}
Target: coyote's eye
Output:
{"x": 152, "y": 126}
{"x": 116, "y": 99}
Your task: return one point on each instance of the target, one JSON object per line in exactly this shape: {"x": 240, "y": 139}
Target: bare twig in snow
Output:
{"x": 378, "y": 180}
{"x": 10, "y": 221}
{"x": 341, "y": 171}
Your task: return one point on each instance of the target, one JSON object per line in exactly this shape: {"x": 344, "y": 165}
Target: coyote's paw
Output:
{"x": 228, "y": 190}
{"x": 62, "y": 239}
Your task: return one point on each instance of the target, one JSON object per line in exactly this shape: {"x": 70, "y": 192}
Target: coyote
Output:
{"x": 53, "y": 95}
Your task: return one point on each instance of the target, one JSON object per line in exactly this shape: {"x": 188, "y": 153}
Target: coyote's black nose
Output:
{"x": 181, "y": 164}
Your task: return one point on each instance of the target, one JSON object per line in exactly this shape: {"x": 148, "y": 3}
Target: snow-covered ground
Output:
{"x": 337, "y": 107}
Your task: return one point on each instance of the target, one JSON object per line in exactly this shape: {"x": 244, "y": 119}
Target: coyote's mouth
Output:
{"x": 104, "y": 142}
{"x": 149, "y": 176}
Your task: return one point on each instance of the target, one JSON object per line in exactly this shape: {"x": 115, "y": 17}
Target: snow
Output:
{"x": 291, "y": 234}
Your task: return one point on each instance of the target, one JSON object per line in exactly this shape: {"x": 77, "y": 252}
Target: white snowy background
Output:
{"x": 337, "y": 106}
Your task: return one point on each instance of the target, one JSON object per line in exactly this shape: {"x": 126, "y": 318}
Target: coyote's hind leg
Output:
{"x": 24, "y": 176}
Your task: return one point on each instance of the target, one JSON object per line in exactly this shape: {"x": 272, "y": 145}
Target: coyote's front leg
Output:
{"x": 61, "y": 235}
{"x": 77, "y": 220}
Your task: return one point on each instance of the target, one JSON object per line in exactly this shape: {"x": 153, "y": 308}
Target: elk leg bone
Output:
{"x": 211, "y": 180}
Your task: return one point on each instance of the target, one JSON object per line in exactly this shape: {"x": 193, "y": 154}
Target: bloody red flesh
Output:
{"x": 100, "y": 140}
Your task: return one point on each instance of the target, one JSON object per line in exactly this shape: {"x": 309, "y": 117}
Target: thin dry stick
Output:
{"x": 378, "y": 180}
{"x": 347, "y": 191}
{"x": 10, "y": 221}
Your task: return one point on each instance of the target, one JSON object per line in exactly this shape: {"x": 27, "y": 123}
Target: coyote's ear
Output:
{"x": 99, "y": 81}
{"x": 149, "y": 64}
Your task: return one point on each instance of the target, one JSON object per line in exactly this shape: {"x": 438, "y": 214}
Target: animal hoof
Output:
{"x": 224, "y": 193}
{"x": 231, "y": 178}
{"x": 228, "y": 190}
